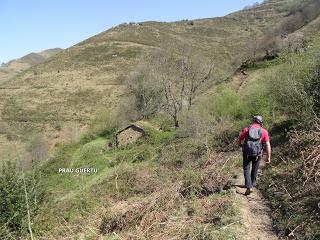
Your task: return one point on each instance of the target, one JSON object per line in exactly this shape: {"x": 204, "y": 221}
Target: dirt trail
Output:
{"x": 255, "y": 214}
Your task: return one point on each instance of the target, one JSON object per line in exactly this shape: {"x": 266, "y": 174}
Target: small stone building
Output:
{"x": 129, "y": 135}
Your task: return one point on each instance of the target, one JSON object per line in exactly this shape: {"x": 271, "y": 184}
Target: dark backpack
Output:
{"x": 253, "y": 146}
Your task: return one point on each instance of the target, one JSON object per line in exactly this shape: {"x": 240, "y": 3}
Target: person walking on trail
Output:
{"x": 253, "y": 140}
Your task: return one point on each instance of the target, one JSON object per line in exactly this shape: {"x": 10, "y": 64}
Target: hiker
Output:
{"x": 253, "y": 139}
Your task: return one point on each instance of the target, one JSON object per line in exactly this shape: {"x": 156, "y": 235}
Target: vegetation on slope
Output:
{"x": 160, "y": 187}
{"x": 292, "y": 184}
{"x": 73, "y": 85}
{"x": 287, "y": 92}
{"x": 175, "y": 182}
{"x": 13, "y": 67}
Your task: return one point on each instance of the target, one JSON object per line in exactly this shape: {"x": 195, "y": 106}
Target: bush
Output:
{"x": 70, "y": 133}
{"x": 143, "y": 155}
{"x": 288, "y": 88}
{"x": 88, "y": 137}
{"x": 104, "y": 123}
{"x": 165, "y": 122}
{"x": 287, "y": 91}
{"x": 179, "y": 154}
{"x": 13, "y": 207}
{"x": 146, "y": 92}
{"x": 313, "y": 88}
{"x": 223, "y": 116}
{"x": 122, "y": 182}
{"x": 107, "y": 121}
{"x": 257, "y": 102}
{"x": 191, "y": 182}
{"x": 226, "y": 104}
{"x": 224, "y": 134}
{"x": 158, "y": 138}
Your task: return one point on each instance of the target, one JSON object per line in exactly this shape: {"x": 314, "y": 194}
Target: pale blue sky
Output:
{"x": 34, "y": 25}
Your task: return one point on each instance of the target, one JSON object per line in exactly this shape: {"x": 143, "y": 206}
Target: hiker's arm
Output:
{"x": 268, "y": 152}
{"x": 241, "y": 138}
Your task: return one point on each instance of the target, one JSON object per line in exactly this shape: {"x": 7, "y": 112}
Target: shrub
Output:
{"x": 313, "y": 88}
{"x": 223, "y": 116}
{"x": 104, "y": 123}
{"x": 226, "y": 104}
{"x": 146, "y": 92}
{"x": 257, "y": 102}
{"x": 13, "y": 205}
{"x": 142, "y": 213}
{"x": 165, "y": 122}
{"x": 191, "y": 182}
{"x": 143, "y": 155}
{"x": 191, "y": 23}
{"x": 157, "y": 138}
{"x": 224, "y": 134}
{"x": 288, "y": 5}
{"x": 294, "y": 42}
{"x": 288, "y": 91}
{"x": 122, "y": 182}
{"x": 88, "y": 137}
{"x": 178, "y": 154}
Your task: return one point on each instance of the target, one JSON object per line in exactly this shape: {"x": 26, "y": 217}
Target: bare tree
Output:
{"x": 173, "y": 84}
{"x": 146, "y": 91}
{"x": 181, "y": 75}
{"x": 169, "y": 80}
{"x": 195, "y": 73}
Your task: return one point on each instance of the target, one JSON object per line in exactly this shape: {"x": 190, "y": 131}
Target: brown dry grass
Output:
{"x": 293, "y": 185}
{"x": 309, "y": 151}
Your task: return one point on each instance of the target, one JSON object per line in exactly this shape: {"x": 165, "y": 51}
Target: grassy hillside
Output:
{"x": 71, "y": 86}
{"x": 13, "y": 67}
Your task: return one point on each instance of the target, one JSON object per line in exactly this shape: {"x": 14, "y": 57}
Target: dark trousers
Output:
{"x": 250, "y": 175}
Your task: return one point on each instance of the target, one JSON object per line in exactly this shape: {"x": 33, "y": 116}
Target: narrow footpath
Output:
{"x": 257, "y": 223}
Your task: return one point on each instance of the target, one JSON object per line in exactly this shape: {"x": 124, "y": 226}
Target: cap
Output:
{"x": 258, "y": 119}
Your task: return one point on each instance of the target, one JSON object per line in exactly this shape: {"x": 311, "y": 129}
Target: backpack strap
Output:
{"x": 249, "y": 127}
{"x": 260, "y": 133}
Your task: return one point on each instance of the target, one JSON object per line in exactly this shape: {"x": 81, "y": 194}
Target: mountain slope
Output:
{"x": 73, "y": 84}
{"x": 13, "y": 67}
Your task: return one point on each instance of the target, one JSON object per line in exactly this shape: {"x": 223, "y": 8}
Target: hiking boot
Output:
{"x": 248, "y": 191}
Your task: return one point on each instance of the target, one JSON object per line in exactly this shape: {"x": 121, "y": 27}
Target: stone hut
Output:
{"x": 128, "y": 135}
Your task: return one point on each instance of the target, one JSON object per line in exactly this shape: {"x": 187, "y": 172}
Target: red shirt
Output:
{"x": 265, "y": 134}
